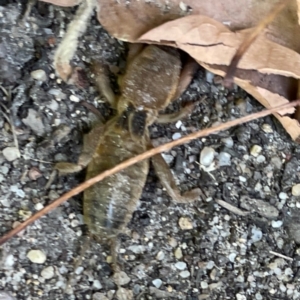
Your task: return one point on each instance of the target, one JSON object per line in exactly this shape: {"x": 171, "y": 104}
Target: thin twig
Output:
{"x": 281, "y": 255}
{"x": 250, "y": 39}
{"x": 138, "y": 158}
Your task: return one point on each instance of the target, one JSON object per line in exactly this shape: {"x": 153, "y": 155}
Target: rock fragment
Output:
{"x": 261, "y": 207}
{"x": 11, "y": 153}
{"x": 36, "y": 256}
{"x": 39, "y": 75}
{"x": 48, "y": 272}
{"x": 185, "y": 223}
{"x": 207, "y": 156}
{"x": 296, "y": 190}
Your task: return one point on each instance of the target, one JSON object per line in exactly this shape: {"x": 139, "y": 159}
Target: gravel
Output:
{"x": 240, "y": 241}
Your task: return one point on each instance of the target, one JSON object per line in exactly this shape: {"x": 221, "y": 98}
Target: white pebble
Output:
{"x": 267, "y": 128}
{"x": 209, "y": 76}
{"x": 204, "y": 285}
{"x": 9, "y": 261}
{"x": 232, "y": 257}
{"x": 228, "y": 142}
{"x": 184, "y": 274}
{"x": 11, "y": 153}
{"x": 39, "y": 206}
{"x": 242, "y": 179}
{"x": 79, "y": 270}
{"x": 240, "y": 297}
{"x": 36, "y": 256}
{"x": 39, "y": 75}
{"x": 185, "y": 223}
{"x": 178, "y": 253}
{"x": 97, "y": 284}
{"x": 276, "y": 224}
{"x": 137, "y": 249}
{"x": 282, "y": 196}
{"x": 210, "y": 265}
{"x": 74, "y": 98}
{"x": 256, "y": 234}
{"x": 121, "y": 278}
{"x": 176, "y": 136}
{"x": 160, "y": 255}
{"x": 48, "y": 272}
{"x": 180, "y": 265}
{"x": 178, "y": 124}
{"x": 157, "y": 283}
{"x": 168, "y": 158}
{"x": 224, "y": 159}
{"x": 296, "y": 190}
{"x": 255, "y": 150}
{"x": 207, "y": 156}
{"x": 260, "y": 159}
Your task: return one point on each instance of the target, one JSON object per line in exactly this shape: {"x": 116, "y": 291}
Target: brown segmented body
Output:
{"x": 109, "y": 204}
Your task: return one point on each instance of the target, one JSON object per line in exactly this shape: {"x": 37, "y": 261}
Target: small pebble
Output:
{"x": 204, "y": 285}
{"x": 276, "y": 224}
{"x": 79, "y": 270}
{"x": 137, "y": 249}
{"x": 255, "y": 150}
{"x": 282, "y": 196}
{"x": 39, "y": 206}
{"x": 209, "y": 76}
{"x": 97, "y": 284}
{"x": 267, "y": 128}
{"x": 178, "y": 253}
{"x": 180, "y": 265}
{"x": 34, "y": 173}
{"x": 39, "y": 75}
{"x": 11, "y": 153}
{"x": 260, "y": 159}
{"x": 184, "y": 274}
{"x": 74, "y": 98}
{"x": 256, "y": 234}
{"x": 99, "y": 296}
{"x": 109, "y": 259}
{"x": 224, "y": 159}
{"x": 160, "y": 255}
{"x": 48, "y": 272}
{"x": 121, "y": 278}
{"x": 296, "y": 190}
{"x": 185, "y": 223}
{"x": 228, "y": 142}
{"x": 178, "y": 124}
{"x": 36, "y": 256}
{"x": 157, "y": 283}
{"x": 176, "y": 136}
{"x": 232, "y": 257}
{"x": 207, "y": 156}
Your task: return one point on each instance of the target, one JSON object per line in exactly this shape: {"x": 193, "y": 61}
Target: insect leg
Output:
{"x": 164, "y": 174}
{"x": 90, "y": 143}
{"x": 102, "y": 83}
{"x": 170, "y": 118}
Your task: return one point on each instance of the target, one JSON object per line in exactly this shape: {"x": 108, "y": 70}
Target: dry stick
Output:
{"x": 138, "y": 158}
{"x": 250, "y": 39}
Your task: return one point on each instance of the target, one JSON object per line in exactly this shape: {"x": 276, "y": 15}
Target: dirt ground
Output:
{"x": 203, "y": 250}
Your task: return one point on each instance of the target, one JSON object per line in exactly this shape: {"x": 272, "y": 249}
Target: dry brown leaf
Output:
{"x": 65, "y": 3}
{"x": 268, "y": 71}
{"x": 139, "y": 16}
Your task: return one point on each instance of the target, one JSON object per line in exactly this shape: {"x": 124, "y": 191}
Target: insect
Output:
{"x": 149, "y": 84}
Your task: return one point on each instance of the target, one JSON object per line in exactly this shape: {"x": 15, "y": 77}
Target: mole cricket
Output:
{"x": 150, "y": 83}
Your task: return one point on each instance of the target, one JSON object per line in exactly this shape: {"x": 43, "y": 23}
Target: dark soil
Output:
{"x": 197, "y": 251}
